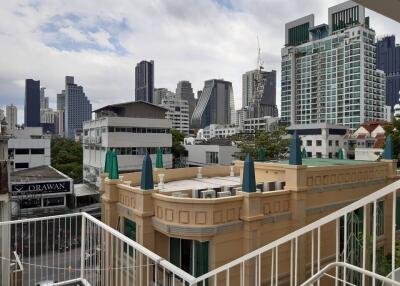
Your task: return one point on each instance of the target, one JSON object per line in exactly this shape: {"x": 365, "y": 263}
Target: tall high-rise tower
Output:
{"x": 144, "y": 81}
{"x": 77, "y": 107}
{"x": 329, "y": 72}
{"x": 388, "y": 60}
{"x": 184, "y": 90}
{"x": 32, "y": 103}
{"x": 11, "y": 116}
{"x": 215, "y": 105}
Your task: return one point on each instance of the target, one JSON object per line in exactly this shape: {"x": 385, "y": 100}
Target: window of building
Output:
{"x": 319, "y": 142}
{"x": 37, "y": 151}
{"x": 212, "y": 157}
{"x": 330, "y": 142}
{"x": 190, "y": 255}
{"x": 337, "y": 142}
{"x": 129, "y": 231}
{"x": 309, "y": 154}
{"x": 50, "y": 202}
{"x": 21, "y": 151}
{"x": 318, "y": 155}
{"x": 309, "y": 142}
{"x": 330, "y": 155}
{"x": 21, "y": 165}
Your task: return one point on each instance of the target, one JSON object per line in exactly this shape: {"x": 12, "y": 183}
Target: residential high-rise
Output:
{"x": 44, "y": 100}
{"x": 59, "y": 122}
{"x": 11, "y": 116}
{"x": 2, "y": 115}
{"x": 178, "y": 111}
{"x": 159, "y": 93}
{"x": 77, "y": 107}
{"x": 32, "y": 103}
{"x": 215, "y": 105}
{"x": 388, "y": 60}
{"x": 267, "y": 89}
{"x": 144, "y": 81}
{"x": 184, "y": 90}
{"x": 329, "y": 72}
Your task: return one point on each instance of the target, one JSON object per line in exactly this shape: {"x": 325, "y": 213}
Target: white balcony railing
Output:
{"x": 342, "y": 248}
{"x": 77, "y": 248}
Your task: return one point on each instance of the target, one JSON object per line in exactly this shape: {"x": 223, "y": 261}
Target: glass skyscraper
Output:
{"x": 215, "y": 105}
{"x": 329, "y": 73}
{"x": 144, "y": 81}
{"x": 388, "y": 60}
{"x": 77, "y": 107}
{"x": 32, "y": 103}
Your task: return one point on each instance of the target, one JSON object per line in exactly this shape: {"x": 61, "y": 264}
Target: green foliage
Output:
{"x": 177, "y": 149}
{"x": 66, "y": 156}
{"x": 275, "y": 146}
{"x": 394, "y": 130}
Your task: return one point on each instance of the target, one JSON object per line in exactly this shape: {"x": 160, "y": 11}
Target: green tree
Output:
{"x": 178, "y": 151}
{"x": 66, "y": 156}
{"x": 274, "y": 143}
{"x": 394, "y": 130}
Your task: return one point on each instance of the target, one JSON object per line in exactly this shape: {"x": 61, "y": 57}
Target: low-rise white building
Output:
{"x": 214, "y": 152}
{"x": 266, "y": 123}
{"x": 28, "y": 148}
{"x": 131, "y": 129}
{"x": 320, "y": 140}
{"x": 217, "y": 131}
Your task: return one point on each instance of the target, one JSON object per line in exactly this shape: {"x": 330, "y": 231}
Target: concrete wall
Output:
{"x": 367, "y": 154}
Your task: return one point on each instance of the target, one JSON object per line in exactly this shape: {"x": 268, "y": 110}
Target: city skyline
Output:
{"x": 103, "y": 44}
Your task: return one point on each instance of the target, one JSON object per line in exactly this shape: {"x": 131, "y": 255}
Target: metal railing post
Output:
{"x": 83, "y": 238}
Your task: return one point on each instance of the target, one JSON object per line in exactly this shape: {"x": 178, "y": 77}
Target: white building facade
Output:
{"x": 217, "y": 131}
{"x": 320, "y": 140}
{"x": 130, "y": 137}
{"x": 204, "y": 155}
{"x": 266, "y": 124}
{"x": 178, "y": 111}
{"x": 28, "y": 148}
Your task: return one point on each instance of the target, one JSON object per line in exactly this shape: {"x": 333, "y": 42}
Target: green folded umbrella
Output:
{"x": 107, "y": 162}
{"x": 304, "y": 153}
{"x": 340, "y": 154}
{"x": 261, "y": 154}
{"x": 113, "y": 175}
{"x": 159, "y": 159}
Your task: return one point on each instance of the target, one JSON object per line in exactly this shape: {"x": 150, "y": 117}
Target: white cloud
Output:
{"x": 188, "y": 39}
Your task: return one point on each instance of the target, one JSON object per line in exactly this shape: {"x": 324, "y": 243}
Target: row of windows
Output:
{"x": 135, "y": 150}
{"x": 319, "y": 142}
{"x": 26, "y": 151}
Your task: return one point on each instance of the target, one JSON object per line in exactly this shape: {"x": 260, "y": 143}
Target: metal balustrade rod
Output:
{"x": 344, "y": 245}
{"x": 296, "y": 244}
{"x": 337, "y": 248}
{"x": 394, "y": 197}
{"x": 318, "y": 250}
{"x": 291, "y": 262}
{"x": 83, "y": 237}
{"x": 272, "y": 266}
{"x": 312, "y": 252}
{"x": 364, "y": 254}
{"x": 276, "y": 266}
{"x": 259, "y": 270}
{"x": 374, "y": 241}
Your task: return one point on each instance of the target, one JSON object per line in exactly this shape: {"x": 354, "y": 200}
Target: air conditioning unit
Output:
{"x": 207, "y": 194}
{"x": 269, "y": 186}
{"x": 223, "y": 194}
{"x": 279, "y": 185}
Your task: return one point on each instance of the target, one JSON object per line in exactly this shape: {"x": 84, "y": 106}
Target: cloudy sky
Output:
{"x": 100, "y": 42}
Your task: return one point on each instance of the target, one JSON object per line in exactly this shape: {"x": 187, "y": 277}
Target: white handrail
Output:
{"x": 306, "y": 229}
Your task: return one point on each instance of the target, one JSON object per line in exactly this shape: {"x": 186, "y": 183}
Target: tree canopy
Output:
{"x": 274, "y": 143}
{"x": 66, "y": 156}
{"x": 178, "y": 150}
{"x": 394, "y": 130}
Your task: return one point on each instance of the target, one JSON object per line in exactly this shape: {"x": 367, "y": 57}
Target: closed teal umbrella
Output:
{"x": 261, "y": 154}
{"x": 107, "y": 162}
{"x": 388, "y": 150}
{"x": 340, "y": 154}
{"x": 113, "y": 175}
{"x": 295, "y": 151}
{"x": 146, "y": 181}
{"x": 304, "y": 153}
{"x": 249, "y": 178}
{"x": 159, "y": 159}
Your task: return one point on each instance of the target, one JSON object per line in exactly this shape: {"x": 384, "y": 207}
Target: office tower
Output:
{"x": 388, "y": 60}
{"x": 184, "y": 90}
{"x": 77, "y": 107}
{"x": 59, "y": 122}
{"x": 144, "y": 81}
{"x": 159, "y": 93}
{"x": 241, "y": 115}
{"x": 178, "y": 111}
{"x": 11, "y": 116}
{"x": 260, "y": 85}
{"x": 2, "y": 116}
{"x": 44, "y": 100}
{"x": 329, "y": 72}
{"x": 61, "y": 100}
{"x": 216, "y": 104}
{"x": 32, "y": 103}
